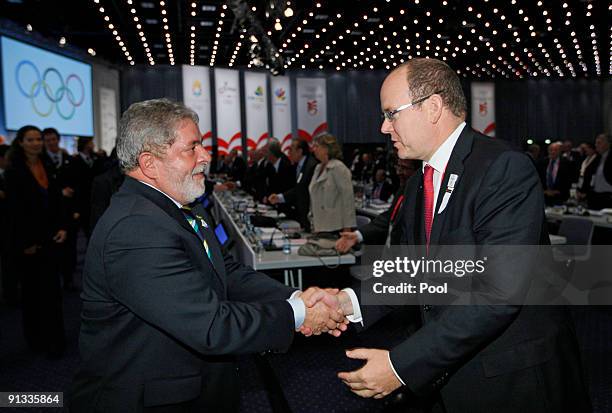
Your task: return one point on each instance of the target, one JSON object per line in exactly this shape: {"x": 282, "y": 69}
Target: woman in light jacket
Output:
{"x": 332, "y": 202}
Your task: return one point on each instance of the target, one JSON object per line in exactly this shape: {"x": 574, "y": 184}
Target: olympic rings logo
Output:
{"x": 51, "y": 77}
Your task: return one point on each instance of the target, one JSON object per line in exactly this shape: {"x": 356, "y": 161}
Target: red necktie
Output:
{"x": 428, "y": 195}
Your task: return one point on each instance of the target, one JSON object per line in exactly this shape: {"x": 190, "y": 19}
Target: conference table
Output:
{"x": 231, "y": 207}
{"x": 598, "y": 218}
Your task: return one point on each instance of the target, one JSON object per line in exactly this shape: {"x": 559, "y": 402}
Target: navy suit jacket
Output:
{"x": 483, "y": 357}
{"x": 161, "y": 322}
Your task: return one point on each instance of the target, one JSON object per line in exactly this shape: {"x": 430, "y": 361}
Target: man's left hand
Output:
{"x": 376, "y": 378}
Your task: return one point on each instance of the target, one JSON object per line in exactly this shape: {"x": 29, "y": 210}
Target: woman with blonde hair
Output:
{"x": 332, "y": 202}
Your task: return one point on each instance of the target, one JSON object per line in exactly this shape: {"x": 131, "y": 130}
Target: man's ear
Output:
{"x": 435, "y": 104}
{"x": 148, "y": 165}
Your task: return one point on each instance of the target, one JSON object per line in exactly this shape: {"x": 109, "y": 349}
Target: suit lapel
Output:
{"x": 173, "y": 211}
{"x": 454, "y": 168}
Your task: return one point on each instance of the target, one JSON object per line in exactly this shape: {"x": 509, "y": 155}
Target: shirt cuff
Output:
{"x": 359, "y": 236}
{"x": 356, "y": 316}
{"x": 299, "y": 311}
{"x": 395, "y": 372}
{"x": 281, "y": 198}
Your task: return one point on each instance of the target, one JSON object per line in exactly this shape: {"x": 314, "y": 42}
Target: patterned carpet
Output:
{"x": 307, "y": 374}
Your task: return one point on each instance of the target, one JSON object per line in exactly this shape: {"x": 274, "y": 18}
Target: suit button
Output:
{"x": 426, "y": 308}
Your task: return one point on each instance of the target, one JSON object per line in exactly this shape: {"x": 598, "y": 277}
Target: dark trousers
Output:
{"x": 68, "y": 254}
{"x": 43, "y": 321}
{"x": 10, "y": 281}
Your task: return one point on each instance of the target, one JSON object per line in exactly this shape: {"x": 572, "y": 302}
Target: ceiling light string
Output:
{"x": 290, "y": 37}
{"x": 115, "y": 32}
{"x": 166, "y": 27}
{"x": 218, "y": 30}
{"x": 141, "y": 34}
{"x": 193, "y": 34}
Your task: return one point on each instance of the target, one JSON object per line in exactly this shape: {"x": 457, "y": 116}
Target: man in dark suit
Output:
{"x": 281, "y": 174}
{"x": 471, "y": 190}
{"x": 63, "y": 163}
{"x": 556, "y": 175}
{"x": 85, "y": 166}
{"x": 382, "y": 188}
{"x": 295, "y": 202}
{"x": 236, "y": 166}
{"x": 601, "y": 196}
{"x": 164, "y": 310}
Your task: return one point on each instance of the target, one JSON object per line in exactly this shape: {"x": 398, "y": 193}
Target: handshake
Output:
{"x": 326, "y": 311}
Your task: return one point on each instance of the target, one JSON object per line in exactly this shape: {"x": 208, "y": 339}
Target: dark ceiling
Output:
{"x": 479, "y": 38}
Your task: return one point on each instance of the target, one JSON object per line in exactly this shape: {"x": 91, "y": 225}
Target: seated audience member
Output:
{"x": 555, "y": 173}
{"x": 363, "y": 169}
{"x": 236, "y": 166}
{"x": 601, "y": 196}
{"x": 281, "y": 174}
{"x": 533, "y": 151}
{"x": 220, "y": 166}
{"x": 38, "y": 226}
{"x": 377, "y": 231}
{"x": 355, "y": 157}
{"x": 587, "y": 169}
{"x": 65, "y": 177}
{"x": 382, "y": 189}
{"x": 297, "y": 199}
{"x": 332, "y": 201}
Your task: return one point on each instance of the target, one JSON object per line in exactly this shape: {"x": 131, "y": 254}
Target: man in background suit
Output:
{"x": 236, "y": 167}
{"x": 165, "y": 312}
{"x": 63, "y": 163}
{"x": 281, "y": 174}
{"x": 601, "y": 196}
{"x": 471, "y": 190}
{"x": 556, "y": 175}
{"x": 297, "y": 199}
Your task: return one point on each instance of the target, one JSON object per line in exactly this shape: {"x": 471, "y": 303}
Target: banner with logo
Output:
{"x": 311, "y": 107}
{"x": 227, "y": 92}
{"x": 281, "y": 111}
{"x": 256, "y": 104}
{"x": 483, "y": 107}
{"x": 196, "y": 95}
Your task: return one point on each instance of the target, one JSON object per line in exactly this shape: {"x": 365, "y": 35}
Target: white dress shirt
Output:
{"x": 438, "y": 162}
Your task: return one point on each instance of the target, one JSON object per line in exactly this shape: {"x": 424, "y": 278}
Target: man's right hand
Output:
{"x": 273, "y": 199}
{"x": 326, "y": 311}
{"x": 346, "y": 241}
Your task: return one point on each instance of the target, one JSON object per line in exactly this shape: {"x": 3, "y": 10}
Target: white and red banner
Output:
{"x": 256, "y": 104}
{"x": 196, "y": 95}
{"x": 227, "y": 94}
{"x": 281, "y": 111}
{"x": 311, "y": 107}
{"x": 483, "y": 107}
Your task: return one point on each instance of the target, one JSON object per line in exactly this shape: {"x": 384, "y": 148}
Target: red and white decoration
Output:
{"x": 196, "y": 95}
{"x": 483, "y": 107}
{"x": 311, "y": 107}
{"x": 227, "y": 92}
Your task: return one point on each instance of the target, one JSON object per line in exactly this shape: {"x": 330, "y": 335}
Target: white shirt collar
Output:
{"x": 158, "y": 190}
{"x": 441, "y": 156}
{"x": 277, "y": 164}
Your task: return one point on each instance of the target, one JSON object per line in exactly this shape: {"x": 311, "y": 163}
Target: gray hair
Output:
{"x": 149, "y": 126}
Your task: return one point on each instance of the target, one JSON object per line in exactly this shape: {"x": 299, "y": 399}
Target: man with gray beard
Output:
{"x": 165, "y": 312}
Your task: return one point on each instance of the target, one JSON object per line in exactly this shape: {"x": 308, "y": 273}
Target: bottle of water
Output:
{"x": 286, "y": 244}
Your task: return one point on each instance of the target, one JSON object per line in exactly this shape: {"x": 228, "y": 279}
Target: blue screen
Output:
{"x": 221, "y": 234}
{"x": 45, "y": 89}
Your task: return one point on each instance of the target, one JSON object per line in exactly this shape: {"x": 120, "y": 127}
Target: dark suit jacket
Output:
{"x": 281, "y": 180}
{"x": 376, "y": 232}
{"x": 298, "y": 197}
{"x": 161, "y": 321}
{"x": 385, "y": 192}
{"x": 82, "y": 176}
{"x": 608, "y": 168}
{"x": 563, "y": 181}
{"x": 102, "y": 189}
{"x": 36, "y": 214}
{"x": 237, "y": 169}
{"x": 485, "y": 357}
{"x": 589, "y": 171}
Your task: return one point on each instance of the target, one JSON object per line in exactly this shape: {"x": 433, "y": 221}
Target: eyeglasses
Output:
{"x": 390, "y": 114}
